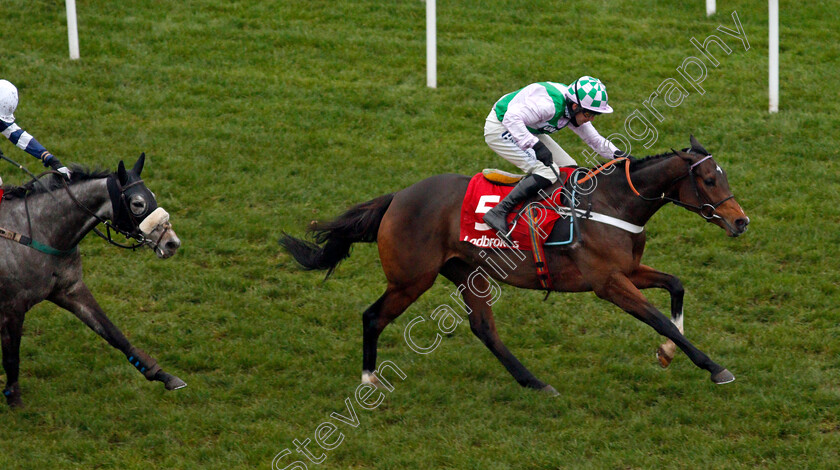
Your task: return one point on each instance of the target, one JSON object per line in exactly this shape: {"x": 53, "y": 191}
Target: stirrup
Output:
{"x": 505, "y": 237}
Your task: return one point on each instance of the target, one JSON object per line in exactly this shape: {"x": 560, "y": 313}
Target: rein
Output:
{"x": 23, "y": 239}
{"x": 135, "y": 234}
{"x": 708, "y": 210}
{"x": 29, "y": 241}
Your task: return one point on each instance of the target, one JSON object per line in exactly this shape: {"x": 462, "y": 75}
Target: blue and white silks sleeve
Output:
{"x": 25, "y": 141}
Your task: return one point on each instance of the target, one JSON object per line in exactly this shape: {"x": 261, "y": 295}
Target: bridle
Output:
{"x": 124, "y": 221}
{"x": 707, "y": 210}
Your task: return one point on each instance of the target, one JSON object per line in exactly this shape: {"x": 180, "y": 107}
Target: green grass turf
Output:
{"x": 257, "y": 117}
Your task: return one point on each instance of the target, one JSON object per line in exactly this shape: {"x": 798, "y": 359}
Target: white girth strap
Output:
{"x": 604, "y": 219}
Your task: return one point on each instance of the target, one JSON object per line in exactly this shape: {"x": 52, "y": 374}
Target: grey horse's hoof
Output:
{"x": 723, "y": 377}
{"x": 12, "y": 395}
{"x": 170, "y": 381}
{"x": 551, "y": 391}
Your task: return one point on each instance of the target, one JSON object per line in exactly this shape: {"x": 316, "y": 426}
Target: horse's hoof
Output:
{"x": 664, "y": 359}
{"x": 12, "y": 395}
{"x": 723, "y": 377}
{"x": 551, "y": 391}
{"x": 171, "y": 382}
{"x": 15, "y": 403}
{"x": 371, "y": 378}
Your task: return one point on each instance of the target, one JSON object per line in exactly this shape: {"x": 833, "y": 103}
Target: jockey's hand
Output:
{"x": 56, "y": 165}
{"x": 65, "y": 171}
{"x": 622, "y": 154}
{"x": 543, "y": 154}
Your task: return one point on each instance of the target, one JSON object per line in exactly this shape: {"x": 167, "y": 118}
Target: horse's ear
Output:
{"x": 138, "y": 165}
{"x": 697, "y": 147}
{"x": 122, "y": 176}
{"x": 683, "y": 155}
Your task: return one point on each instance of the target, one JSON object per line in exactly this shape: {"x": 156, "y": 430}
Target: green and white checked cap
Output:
{"x": 590, "y": 93}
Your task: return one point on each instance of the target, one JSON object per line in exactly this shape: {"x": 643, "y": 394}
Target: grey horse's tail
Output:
{"x": 333, "y": 239}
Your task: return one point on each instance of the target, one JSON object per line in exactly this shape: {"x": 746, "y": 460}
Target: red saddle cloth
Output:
{"x": 483, "y": 195}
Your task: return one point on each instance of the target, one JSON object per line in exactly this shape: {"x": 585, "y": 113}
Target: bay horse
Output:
{"x": 41, "y": 224}
{"x": 417, "y": 232}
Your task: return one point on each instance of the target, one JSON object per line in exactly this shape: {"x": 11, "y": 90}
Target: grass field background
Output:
{"x": 257, "y": 117}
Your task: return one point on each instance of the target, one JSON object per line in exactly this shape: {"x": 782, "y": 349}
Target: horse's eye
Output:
{"x": 138, "y": 205}
{"x": 709, "y": 181}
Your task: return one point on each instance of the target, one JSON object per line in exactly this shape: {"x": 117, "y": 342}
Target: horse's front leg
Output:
{"x": 645, "y": 277}
{"x": 81, "y": 303}
{"x": 619, "y": 290}
{"x": 11, "y": 328}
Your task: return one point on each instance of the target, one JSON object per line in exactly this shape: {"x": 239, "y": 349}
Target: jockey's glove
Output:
{"x": 543, "y": 154}
{"x": 622, "y": 154}
{"x": 53, "y": 162}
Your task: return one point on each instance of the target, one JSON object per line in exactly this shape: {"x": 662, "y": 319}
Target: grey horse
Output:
{"x": 41, "y": 224}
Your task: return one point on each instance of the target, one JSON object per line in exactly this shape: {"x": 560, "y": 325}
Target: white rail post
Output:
{"x": 431, "y": 45}
{"x": 774, "y": 55}
{"x": 72, "y": 29}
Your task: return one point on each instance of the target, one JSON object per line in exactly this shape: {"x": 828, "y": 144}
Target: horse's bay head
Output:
{"x": 136, "y": 210}
{"x": 707, "y": 189}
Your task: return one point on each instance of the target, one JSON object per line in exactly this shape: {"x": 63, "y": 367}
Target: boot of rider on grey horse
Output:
{"x": 19, "y": 137}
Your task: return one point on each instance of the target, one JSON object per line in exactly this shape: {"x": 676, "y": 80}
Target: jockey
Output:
{"x": 517, "y": 129}
{"x": 18, "y": 136}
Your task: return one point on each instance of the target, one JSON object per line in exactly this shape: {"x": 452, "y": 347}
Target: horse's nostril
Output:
{"x": 173, "y": 245}
{"x": 742, "y": 223}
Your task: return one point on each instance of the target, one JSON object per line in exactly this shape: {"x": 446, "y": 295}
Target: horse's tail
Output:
{"x": 333, "y": 239}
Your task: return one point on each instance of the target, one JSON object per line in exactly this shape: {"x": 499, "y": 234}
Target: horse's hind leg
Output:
{"x": 389, "y": 306}
{"x": 81, "y": 303}
{"x": 10, "y": 333}
{"x": 483, "y": 324}
{"x": 645, "y": 277}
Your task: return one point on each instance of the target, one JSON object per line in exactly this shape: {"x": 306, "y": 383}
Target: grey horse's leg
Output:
{"x": 10, "y": 333}
{"x": 81, "y": 303}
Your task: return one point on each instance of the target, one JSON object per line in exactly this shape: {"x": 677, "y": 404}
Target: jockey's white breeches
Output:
{"x": 499, "y": 139}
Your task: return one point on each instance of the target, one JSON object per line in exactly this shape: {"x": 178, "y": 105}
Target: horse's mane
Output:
{"x": 53, "y": 182}
{"x": 641, "y": 162}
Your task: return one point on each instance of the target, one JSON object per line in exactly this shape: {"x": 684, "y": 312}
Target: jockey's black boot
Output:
{"x": 528, "y": 187}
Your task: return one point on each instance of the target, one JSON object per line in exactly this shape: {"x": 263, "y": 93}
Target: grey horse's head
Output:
{"x": 136, "y": 211}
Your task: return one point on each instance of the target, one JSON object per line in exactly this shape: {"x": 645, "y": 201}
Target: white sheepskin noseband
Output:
{"x": 154, "y": 220}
